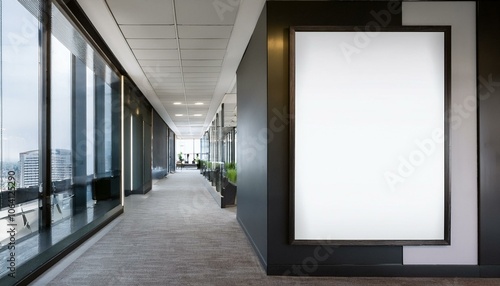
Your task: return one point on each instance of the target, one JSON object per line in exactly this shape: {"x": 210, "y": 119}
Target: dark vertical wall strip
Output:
{"x": 99, "y": 110}
{"x": 147, "y": 155}
{"x": 252, "y": 154}
{"x": 488, "y": 60}
{"x": 138, "y": 144}
{"x": 116, "y": 147}
{"x": 160, "y": 143}
{"x": 137, "y": 154}
{"x": 130, "y": 106}
{"x": 171, "y": 150}
{"x": 45, "y": 216}
{"x": 127, "y": 147}
{"x": 280, "y": 16}
{"x": 79, "y": 134}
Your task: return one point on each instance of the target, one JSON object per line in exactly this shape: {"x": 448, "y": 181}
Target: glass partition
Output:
{"x": 71, "y": 123}
{"x": 19, "y": 122}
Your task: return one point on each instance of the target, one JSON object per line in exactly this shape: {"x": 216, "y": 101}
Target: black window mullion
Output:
{"x": 45, "y": 115}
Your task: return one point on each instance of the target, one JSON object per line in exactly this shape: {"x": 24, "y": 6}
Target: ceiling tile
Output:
{"x": 165, "y": 75}
{"x": 197, "y": 93}
{"x": 152, "y": 70}
{"x": 191, "y": 88}
{"x": 165, "y": 80}
{"x": 201, "y": 84}
{"x": 156, "y": 54}
{"x": 152, "y": 44}
{"x": 156, "y": 63}
{"x": 177, "y": 108}
{"x": 169, "y": 85}
{"x": 205, "y": 44}
{"x": 148, "y": 31}
{"x": 204, "y": 32}
{"x": 203, "y": 97}
{"x": 201, "y": 79}
{"x": 201, "y": 74}
{"x": 142, "y": 12}
{"x": 201, "y": 69}
{"x": 202, "y": 63}
{"x": 168, "y": 91}
{"x": 193, "y": 109}
{"x": 202, "y": 54}
{"x": 170, "y": 96}
{"x": 206, "y": 12}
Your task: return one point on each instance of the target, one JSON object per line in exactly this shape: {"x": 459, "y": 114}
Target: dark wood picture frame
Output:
{"x": 446, "y": 30}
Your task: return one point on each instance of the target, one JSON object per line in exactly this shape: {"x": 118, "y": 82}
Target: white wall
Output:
{"x": 463, "y": 151}
{"x": 187, "y": 146}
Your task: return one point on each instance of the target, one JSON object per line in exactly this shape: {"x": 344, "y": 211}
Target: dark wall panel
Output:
{"x": 171, "y": 150}
{"x": 160, "y": 142}
{"x": 252, "y": 150}
{"x": 488, "y": 48}
{"x": 137, "y": 154}
{"x": 280, "y": 16}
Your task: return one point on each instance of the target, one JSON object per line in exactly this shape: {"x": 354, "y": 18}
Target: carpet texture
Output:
{"x": 178, "y": 235}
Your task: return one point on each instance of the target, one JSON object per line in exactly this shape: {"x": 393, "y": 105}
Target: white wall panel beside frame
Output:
{"x": 374, "y": 104}
{"x": 461, "y": 16}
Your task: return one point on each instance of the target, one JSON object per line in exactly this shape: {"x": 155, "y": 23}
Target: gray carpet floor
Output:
{"x": 178, "y": 235}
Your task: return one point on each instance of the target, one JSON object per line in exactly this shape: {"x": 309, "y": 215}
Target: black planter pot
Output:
{"x": 229, "y": 194}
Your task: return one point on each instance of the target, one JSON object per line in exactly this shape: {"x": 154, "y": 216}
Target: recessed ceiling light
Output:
{"x": 179, "y": 115}
{"x": 199, "y": 103}
{"x": 177, "y": 103}
{"x": 197, "y": 114}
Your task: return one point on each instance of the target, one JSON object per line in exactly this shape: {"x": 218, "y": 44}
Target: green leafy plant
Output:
{"x": 231, "y": 175}
{"x": 217, "y": 166}
{"x": 180, "y": 157}
{"x": 230, "y": 165}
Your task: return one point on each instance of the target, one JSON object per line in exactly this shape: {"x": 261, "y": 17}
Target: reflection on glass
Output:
{"x": 85, "y": 132}
{"x": 19, "y": 129}
{"x": 83, "y": 129}
{"x": 61, "y": 153}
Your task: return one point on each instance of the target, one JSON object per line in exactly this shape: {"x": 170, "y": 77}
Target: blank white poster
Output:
{"x": 369, "y": 135}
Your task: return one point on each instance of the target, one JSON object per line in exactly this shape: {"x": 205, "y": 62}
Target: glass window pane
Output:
{"x": 19, "y": 132}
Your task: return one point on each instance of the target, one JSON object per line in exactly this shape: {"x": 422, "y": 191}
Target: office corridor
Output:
{"x": 178, "y": 235}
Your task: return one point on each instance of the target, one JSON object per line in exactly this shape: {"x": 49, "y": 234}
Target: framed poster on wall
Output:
{"x": 370, "y": 135}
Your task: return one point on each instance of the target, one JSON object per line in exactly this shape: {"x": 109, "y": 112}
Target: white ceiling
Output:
{"x": 182, "y": 54}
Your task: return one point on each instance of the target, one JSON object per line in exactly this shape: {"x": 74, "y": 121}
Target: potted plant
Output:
{"x": 230, "y": 188}
{"x": 208, "y": 172}
{"x": 216, "y": 176}
{"x": 198, "y": 162}
{"x": 202, "y": 166}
